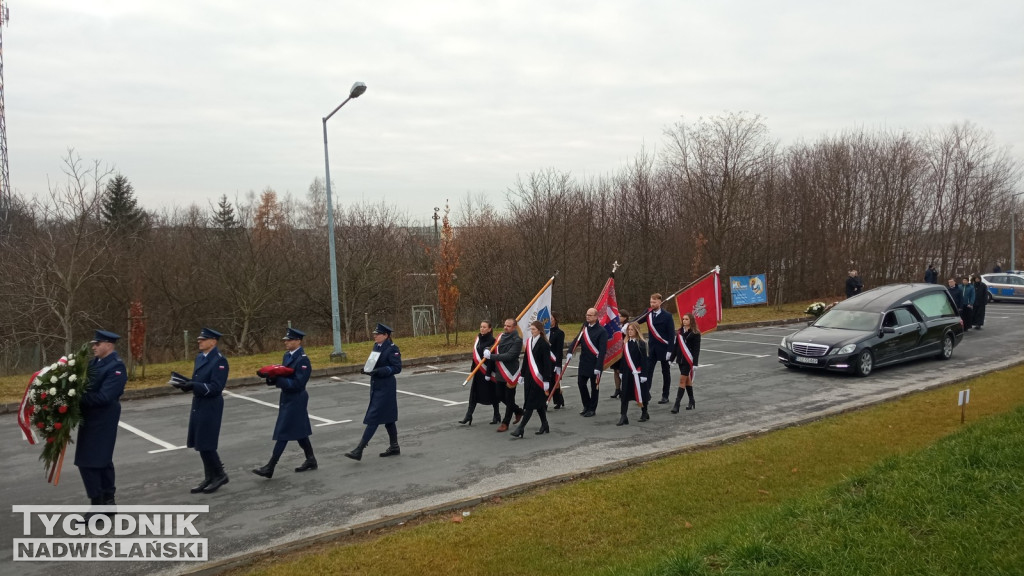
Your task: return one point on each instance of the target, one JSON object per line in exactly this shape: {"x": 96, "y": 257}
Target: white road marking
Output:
{"x": 442, "y": 400}
{"x": 752, "y": 334}
{"x": 742, "y": 341}
{"x": 166, "y": 446}
{"x": 735, "y": 353}
{"x": 325, "y": 421}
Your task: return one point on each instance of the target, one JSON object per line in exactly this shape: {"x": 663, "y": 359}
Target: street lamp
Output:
{"x": 1013, "y": 232}
{"x": 355, "y": 92}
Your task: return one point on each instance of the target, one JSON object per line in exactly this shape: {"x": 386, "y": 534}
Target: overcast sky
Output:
{"x": 192, "y": 99}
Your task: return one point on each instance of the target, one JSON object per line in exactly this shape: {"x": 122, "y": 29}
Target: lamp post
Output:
{"x": 355, "y": 92}
{"x": 1013, "y": 232}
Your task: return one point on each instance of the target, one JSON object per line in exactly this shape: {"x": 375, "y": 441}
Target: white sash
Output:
{"x": 588, "y": 341}
{"x": 532, "y": 364}
{"x": 635, "y": 373}
{"x": 653, "y": 330}
{"x": 686, "y": 353}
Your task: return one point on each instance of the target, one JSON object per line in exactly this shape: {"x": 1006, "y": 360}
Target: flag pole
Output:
{"x": 576, "y": 342}
{"x": 677, "y": 293}
{"x": 518, "y": 318}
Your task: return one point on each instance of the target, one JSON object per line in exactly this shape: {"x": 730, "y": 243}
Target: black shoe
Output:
{"x": 543, "y": 430}
{"x": 467, "y": 420}
{"x": 675, "y": 407}
{"x": 356, "y": 453}
{"x": 219, "y": 479}
{"x": 691, "y": 405}
{"x": 644, "y": 416}
{"x": 559, "y": 406}
{"x": 309, "y": 464}
{"x": 202, "y": 486}
{"x": 664, "y": 400}
{"x": 392, "y": 450}
{"x": 588, "y": 414}
{"x": 265, "y": 471}
{"x": 623, "y": 420}
{"x": 518, "y": 432}
{"x": 495, "y": 420}
{"x": 615, "y": 395}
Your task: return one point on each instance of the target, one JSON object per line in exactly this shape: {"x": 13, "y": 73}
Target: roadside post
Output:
{"x": 965, "y": 398}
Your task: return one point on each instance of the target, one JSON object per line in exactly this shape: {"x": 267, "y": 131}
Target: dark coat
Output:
{"x": 482, "y": 389}
{"x": 557, "y": 340}
{"x": 661, "y": 337}
{"x": 589, "y": 361}
{"x": 957, "y": 295}
{"x": 293, "y": 413}
{"x": 853, "y": 285}
{"x": 533, "y": 395}
{"x": 931, "y": 276}
{"x": 692, "y": 341}
{"x": 635, "y": 352}
{"x": 209, "y": 376}
{"x": 101, "y": 411}
{"x": 383, "y": 408}
{"x": 509, "y": 348}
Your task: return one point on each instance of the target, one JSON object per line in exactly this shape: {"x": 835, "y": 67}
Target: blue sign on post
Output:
{"x": 748, "y": 290}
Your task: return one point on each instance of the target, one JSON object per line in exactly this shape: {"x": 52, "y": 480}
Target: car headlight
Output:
{"x": 785, "y": 342}
{"x": 848, "y": 349}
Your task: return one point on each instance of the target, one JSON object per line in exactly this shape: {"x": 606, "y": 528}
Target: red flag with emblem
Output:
{"x": 704, "y": 301}
{"x": 608, "y": 315}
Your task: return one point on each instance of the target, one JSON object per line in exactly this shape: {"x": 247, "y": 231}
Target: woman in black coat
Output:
{"x": 536, "y": 378}
{"x": 980, "y": 302}
{"x": 482, "y": 389}
{"x": 686, "y": 353}
{"x": 557, "y": 340}
{"x": 634, "y": 376}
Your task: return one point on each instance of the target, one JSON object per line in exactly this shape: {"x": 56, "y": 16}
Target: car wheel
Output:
{"x": 947, "y": 347}
{"x": 865, "y": 362}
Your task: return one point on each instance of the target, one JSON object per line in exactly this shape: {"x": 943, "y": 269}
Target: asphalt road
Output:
{"x": 740, "y": 389}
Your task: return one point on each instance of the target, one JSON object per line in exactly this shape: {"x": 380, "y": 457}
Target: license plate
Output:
{"x": 803, "y": 360}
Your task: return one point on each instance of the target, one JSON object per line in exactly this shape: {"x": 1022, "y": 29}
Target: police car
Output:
{"x": 1005, "y": 285}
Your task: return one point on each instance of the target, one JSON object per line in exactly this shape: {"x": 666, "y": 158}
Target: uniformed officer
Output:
{"x": 661, "y": 330}
{"x": 293, "y": 412}
{"x": 593, "y": 340}
{"x": 383, "y": 408}
{"x": 101, "y": 411}
{"x": 209, "y": 376}
{"x": 506, "y": 376}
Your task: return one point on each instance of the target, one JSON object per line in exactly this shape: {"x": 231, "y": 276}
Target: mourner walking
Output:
{"x": 593, "y": 344}
{"x": 506, "y": 375}
{"x": 662, "y": 334}
{"x": 101, "y": 411}
{"x": 623, "y": 321}
{"x": 980, "y": 301}
{"x": 556, "y": 337}
{"x": 536, "y": 379}
{"x": 634, "y": 368}
{"x": 481, "y": 391}
{"x": 383, "y": 408}
{"x": 687, "y": 351}
{"x": 967, "y": 301}
{"x": 293, "y": 405}
{"x": 209, "y": 376}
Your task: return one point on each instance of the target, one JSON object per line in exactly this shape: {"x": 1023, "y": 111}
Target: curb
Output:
{"x": 341, "y": 534}
{"x": 160, "y": 391}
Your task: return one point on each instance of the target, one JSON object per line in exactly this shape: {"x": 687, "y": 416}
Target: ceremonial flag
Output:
{"x": 539, "y": 309}
{"x": 608, "y": 315}
{"x": 704, "y": 300}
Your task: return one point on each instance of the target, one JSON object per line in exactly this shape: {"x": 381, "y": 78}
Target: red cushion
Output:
{"x": 274, "y": 370}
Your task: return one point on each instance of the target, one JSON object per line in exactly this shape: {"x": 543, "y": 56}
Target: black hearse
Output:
{"x": 886, "y": 325}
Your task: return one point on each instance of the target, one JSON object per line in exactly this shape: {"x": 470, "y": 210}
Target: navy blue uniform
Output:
{"x": 97, "y": 434}
{"x": 593, "y": 342}
{"x": 661, "y": 338}
{"x": 383, "y": 408}
{"x": 209, "y": 377}
{"x": 293, "y": 413}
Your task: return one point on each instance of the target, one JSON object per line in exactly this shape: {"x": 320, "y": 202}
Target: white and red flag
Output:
{"x": 704, "y": 300}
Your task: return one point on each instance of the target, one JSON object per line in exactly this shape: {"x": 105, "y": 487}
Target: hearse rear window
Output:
{"x": 935, "y": 305}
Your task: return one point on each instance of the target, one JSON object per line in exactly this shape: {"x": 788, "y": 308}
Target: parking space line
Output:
{"x": 446, "y": 402}
{"x": 754, "y": 334}
{"x": 742, "y": 341}
{"x": 325, "y": 421}
{"x": 734, "y": 353}
{"x": 166, "y": 446}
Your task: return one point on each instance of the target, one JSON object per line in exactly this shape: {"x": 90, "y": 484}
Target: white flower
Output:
{"x": 53, "y": 379}
{"x": 53, "y": 366}
{"x": 71, "y": 362}
{"x": 71, "y": 392}
{"x": 73, "y": 377}
{"x": 53, "y": 391}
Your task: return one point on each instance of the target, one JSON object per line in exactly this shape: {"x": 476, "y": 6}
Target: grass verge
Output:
{"x": 730, "y": 509}
{"x": 13, "y": 387}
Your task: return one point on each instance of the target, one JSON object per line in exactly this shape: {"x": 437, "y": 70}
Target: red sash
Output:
{"x": 477, "y": 358}
{"x": 636, "y": 374}
{"x": 589, "y": 343}
{"x": 532, "y": 364}
{"x": 686, "y": 353}
{"x": 653, "y": 330}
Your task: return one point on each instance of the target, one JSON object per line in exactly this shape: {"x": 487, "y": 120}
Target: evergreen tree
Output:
{"x": 224, "y": 215}
{"x": 119, "y": 208}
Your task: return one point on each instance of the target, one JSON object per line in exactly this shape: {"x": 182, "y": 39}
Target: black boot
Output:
{"x": 207, "y": 476}
{"x": 268, "y": 470}
{"x": 518, "y": 432}
{"x": 469, "y": 415}
{"x": 679, "y": 398}
{"x": 644, "y": 417}
{"x": 357, "y": 452}
{"x": 616, "y": 394}
{"x": 218, "y": 479}
{"x": 393, "y": 450}
{"x": 497, "y": 415}
{"x": 689, "y": 394}
{"x": 309, "y": 464}
{"x": 623, "y": 420}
